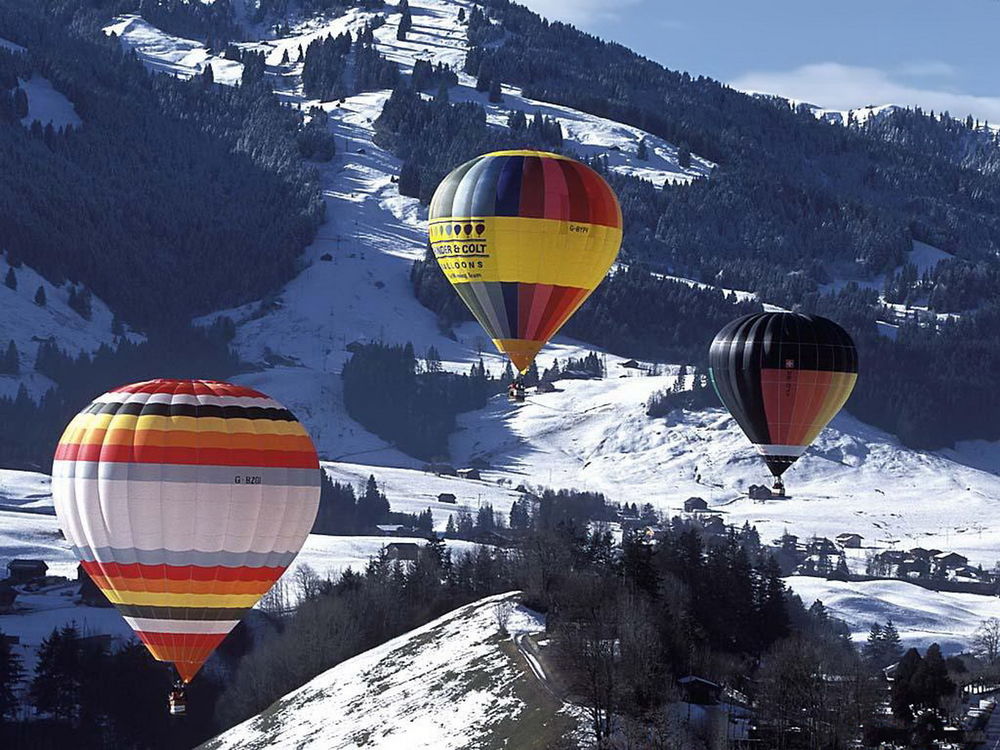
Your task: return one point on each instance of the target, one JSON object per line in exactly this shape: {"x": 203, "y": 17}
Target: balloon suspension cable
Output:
{"x": 177, "y": 699}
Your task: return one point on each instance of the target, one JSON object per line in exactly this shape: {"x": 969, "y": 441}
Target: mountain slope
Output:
{"x": 454, "y": 683}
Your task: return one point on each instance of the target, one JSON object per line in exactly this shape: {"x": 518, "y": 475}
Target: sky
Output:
{"x": 938, "y": 54}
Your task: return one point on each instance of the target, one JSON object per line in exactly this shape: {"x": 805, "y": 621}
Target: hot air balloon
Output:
{"x": 185, "y": 500}
{"x": 783, "y": 376}
{"x": 524, "y": 237}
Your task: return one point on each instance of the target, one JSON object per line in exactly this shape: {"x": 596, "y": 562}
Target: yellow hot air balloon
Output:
{"x": 185, "y": 500}
{"x": 524, "y": 237}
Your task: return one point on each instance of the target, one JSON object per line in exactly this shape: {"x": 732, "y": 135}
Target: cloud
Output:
{"x": 838, "y": 86}
{"x": 928, "y": 68}
{"x": 581, "y": 12}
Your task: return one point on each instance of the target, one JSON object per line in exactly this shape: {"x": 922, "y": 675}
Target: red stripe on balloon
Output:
{"x": 183, "y": 572}
{"x": 152, "y": 454}
{"x": 532, "y": 189}
{"x": 190, "y": 388}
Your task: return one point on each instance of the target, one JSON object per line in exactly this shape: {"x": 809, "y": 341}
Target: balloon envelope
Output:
{"x": 524, "y": 237}
{"x": 185, "y": 500}
{"x": 783, "y": 376}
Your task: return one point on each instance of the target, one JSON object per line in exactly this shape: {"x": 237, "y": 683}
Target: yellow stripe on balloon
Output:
{"x": 535, "y": 251}
{"x": 192, "y": 424}
{"x": 162, "y": 599}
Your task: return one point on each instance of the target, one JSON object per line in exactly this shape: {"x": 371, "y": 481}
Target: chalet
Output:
{"x": 629, "y": 364}
{"x": 326, "y": 256}
{"x": 849, "y": 541}
{"x": 442, "y": 470}
{"x": 391, "y": 529}
{"x": 923, "y": 554}
{"x": 891, "y": 556}
{"x": 693, "y": 504}
{"x": 493, "y": 539}
{"x": 90, "y": 595}
{"x": 820, "y": 545}
{"x": 967, "y": 573}
{"x": 913, "y": 567}
{"x": 25, "y": 571}
{"x": 447, "y": 497}
{"x": 950, "y": 561}
{"x": 403, "y": 551}
{"x": 469, "y": 473}
{"x": 714, "y": 525}
{"x": 760, "y": 492}
{"x": 7, "y": 597}
{"x": 699, "y": 691}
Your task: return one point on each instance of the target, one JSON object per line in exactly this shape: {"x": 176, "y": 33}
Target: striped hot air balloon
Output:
{"x": 185, "y": 500}
{"x": 783, "y": 376}
{"x": 524, "y": 237}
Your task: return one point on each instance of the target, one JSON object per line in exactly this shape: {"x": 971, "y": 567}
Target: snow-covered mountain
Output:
{"x": 589, "y": 434}
{"x": 453, "y": 683}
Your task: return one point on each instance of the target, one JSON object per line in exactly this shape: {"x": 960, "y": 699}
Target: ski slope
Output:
{"x": 595, "y": 435}
{"x": 922, "y": 617}
{"x": 414, "y": 490}
{"x": 451, "y": 684}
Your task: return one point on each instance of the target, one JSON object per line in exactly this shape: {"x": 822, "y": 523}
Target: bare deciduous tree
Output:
{"x": 986, "y": 641}
{"x": 501, "y": 612}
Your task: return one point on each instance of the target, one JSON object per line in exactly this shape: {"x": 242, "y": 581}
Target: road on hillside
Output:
{"x": 525, "y": 647}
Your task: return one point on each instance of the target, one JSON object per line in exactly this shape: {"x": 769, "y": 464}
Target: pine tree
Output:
{"x": 11, "y": 673}
{"x": 874, "y": 647}
{"x": 284, "y": 57}
{"x": 10, "y": 280}
{"x": 20, "y": 103}
{"x": 55, "y": 688}
{"x": 684, "y": 157}
{"x": 449, "y": 529}
{"x": 207, "y": 75}
{"x": 642, "y": 152}
{"x": 461, "y": 15}
{"x": 40, "y": 296}
{"x": 405, "y": 21}
{"x": 496, "y": 94}
{"x": 10, "y": 363}
{"x": 892, "y": 644}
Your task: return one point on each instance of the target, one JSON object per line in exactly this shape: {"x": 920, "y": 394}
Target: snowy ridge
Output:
{"x": 922, "y": 617}
{"x": 448, "y": 685}
{"x": 28, "y": 325}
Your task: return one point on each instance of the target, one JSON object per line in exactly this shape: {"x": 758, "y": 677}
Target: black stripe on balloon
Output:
{"x": 737, "y": 380}
{"x": 510, "y": 302}
{"x": 137, "y": 409}
{"x": 182, "y": 613}
{"x": 509, "y": 186}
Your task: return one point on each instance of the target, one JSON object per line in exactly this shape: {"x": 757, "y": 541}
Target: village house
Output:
{"x": 469, "y": 473}
{"x": 494, "y": 539}
{"x": 392, "y": 529}
{"x": 820, "y": 545}
{"x": 90, "y": 595}
{"x": 447, "y": 497}
{"x": 760, "y": 492}
{"x": 403, "y": 551}
{"x": 950, "y": 561}
{"x": 694, "y": 504}
{"x": 25, "y": 571}
{"x": 714, "y": 526}
{"x": 849, "y": 540}
{"x": 7, "y": 597}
